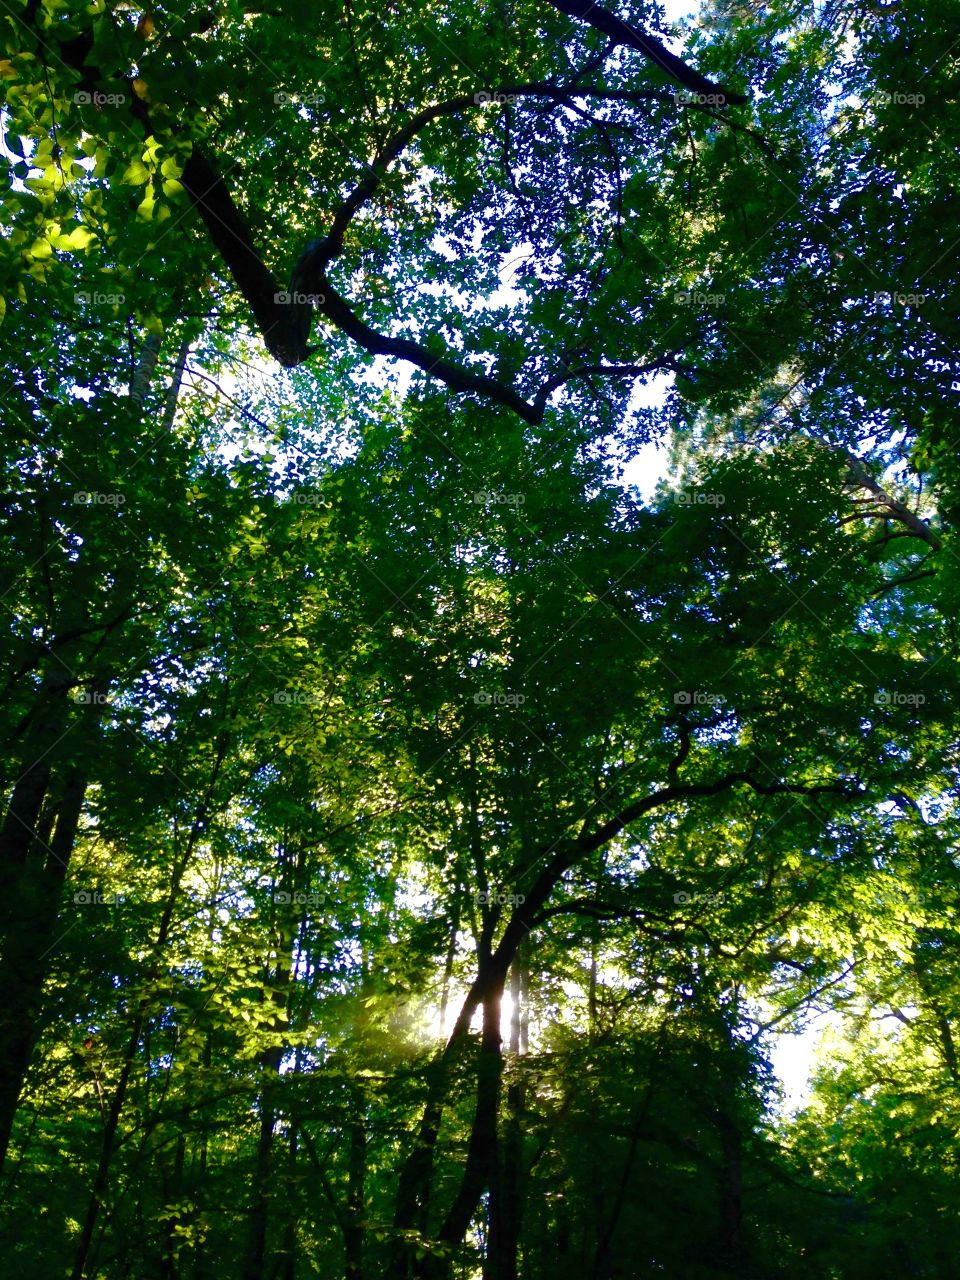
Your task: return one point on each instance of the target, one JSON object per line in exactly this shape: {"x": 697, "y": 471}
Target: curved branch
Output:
{"x": 459, "y": 379}
{"x": 620, "y": 32}
{"x": 560, "y": 858}
{"x": 284, "y": 318}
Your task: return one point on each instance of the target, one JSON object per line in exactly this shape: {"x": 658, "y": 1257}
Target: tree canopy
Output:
{"x": 422, "y": 831}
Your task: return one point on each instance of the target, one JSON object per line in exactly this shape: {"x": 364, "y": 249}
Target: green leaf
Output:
{"x": 136, "y": 173}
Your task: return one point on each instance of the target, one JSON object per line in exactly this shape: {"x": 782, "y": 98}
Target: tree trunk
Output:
{"x": 448, "y": 962}
{"x": 19, "y": 830}
{"x": 29, "y": 892}
{"x": 143, "y": 374}
{"x": 172, "y": 1189}
{"x": 259, "y": 1212}
{"x": 285, "y": 1267}
{"x": 270, "y": 1062}
{"x": 353, "y": 1233}
{"x": 33, "y": 888}
{"x": 102, "y": 1175}
{"x": 481, "y": 1171}
{"x": 511, "y": 1190}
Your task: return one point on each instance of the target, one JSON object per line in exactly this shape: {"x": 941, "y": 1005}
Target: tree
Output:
{"x": 415, "y": 839}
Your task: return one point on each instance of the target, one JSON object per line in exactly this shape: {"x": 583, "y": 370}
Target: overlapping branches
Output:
{"x": 284, "y": 317}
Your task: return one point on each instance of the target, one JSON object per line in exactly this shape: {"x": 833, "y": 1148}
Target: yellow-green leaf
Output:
{"x": 136, "y": 173}
{"x": 77, "y": 240}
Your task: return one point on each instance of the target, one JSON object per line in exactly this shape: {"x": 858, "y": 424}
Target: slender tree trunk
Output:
{"x": 947, "y": 1045}
{"x": 725, "y": 1119}
{"x": 731, "y": 1197}
{"x": 143, "y": 374}
{"x": 482, "y": 1171}
{"x": 102, "y": 1175}
{"x": 34, "y": 887}
{"x": 270, "y": 1062}
{"x": 200, "y": 1269}
{"x": 173, "y": 391}
{"x": 262, "y": 1182}
{"x": 356, "y": 1192}
{"x": 511, "y": 1190}
{"x": 602, "y": 1260}
{"x": 286, "y": 1263}
{"x": 172, "y": 1190}
{"x": 19, "y": 830}
{"x": 448, "y": 962}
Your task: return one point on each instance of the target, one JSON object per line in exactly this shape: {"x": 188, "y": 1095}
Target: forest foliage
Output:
{"x": 417, "y": 837}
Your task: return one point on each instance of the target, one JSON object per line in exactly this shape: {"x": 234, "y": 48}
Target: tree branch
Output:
{"x": 284, "y": 318}
{"x": 860, "y": 476}
{"x": 621, "y": 33}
